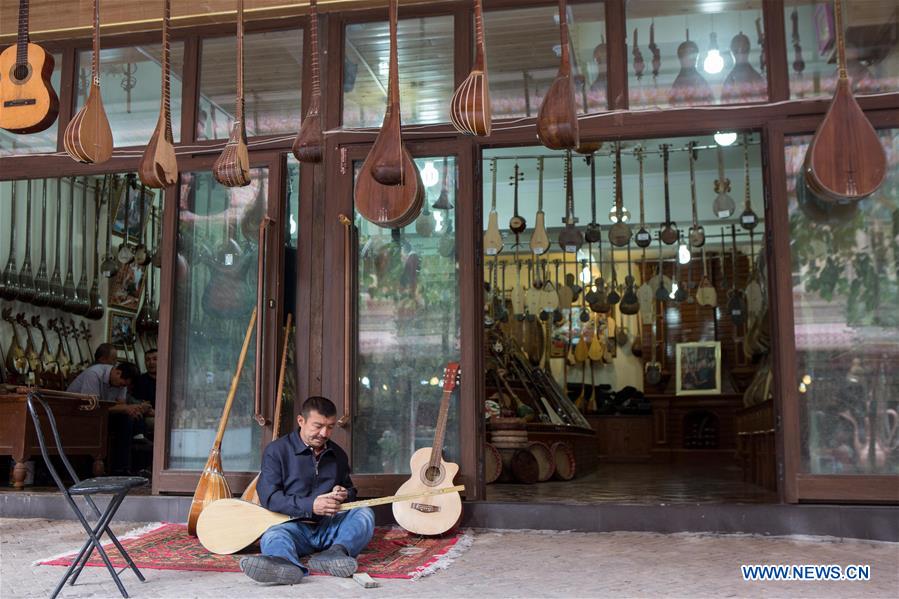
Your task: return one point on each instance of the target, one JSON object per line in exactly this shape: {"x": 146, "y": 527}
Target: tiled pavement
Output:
{"x": 499, "y": 564}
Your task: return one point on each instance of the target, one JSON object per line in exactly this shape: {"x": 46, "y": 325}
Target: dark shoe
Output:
{"x": 334, "y": 561}
{"x": 271, "y": 570}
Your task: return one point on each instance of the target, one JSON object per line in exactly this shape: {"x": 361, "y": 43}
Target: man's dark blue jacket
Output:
{"x": 292, "y": 478}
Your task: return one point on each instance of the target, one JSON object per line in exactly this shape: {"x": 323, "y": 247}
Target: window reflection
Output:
{"x": 677, "y": 59}
{"x": 408, "y": 329}
{"x": 131, "y": 81}
{"x": 215, "y": 292}
{"x": 523, "y": 54}
{"x": 846, "y": 310}
{"x": 872, "y": 51}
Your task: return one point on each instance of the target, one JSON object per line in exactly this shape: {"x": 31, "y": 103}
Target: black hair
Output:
{"x": 128, "y": 371}
{"x": 103, "y": 351}
{"x": 152, "y": 350}
{"x": 317, "y": 403}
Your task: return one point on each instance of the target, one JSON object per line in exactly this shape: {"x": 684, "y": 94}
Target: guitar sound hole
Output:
{"x": 432, "y": 473}
{"x": 21, "y": 72}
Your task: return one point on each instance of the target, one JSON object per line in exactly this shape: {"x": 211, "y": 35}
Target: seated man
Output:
{"x": 306, "y": 475}
{"x": 144, "y": 388}
{"x": 106, "y": 354}
{"x": 125, "y": 420}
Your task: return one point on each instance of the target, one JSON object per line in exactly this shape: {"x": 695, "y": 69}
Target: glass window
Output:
{"x": 846, "y": 311}
{"x": 425, "y": 55}
{"x": 45, "y": 141}
{"x": 872, "y": 50}
{"x": 215, "y": 292}
{"x": 273, "y": 67}
{"x": 523, "y": 53}
{"x": 408, "y": 329}
{"x": 695, "y": 53}
{"x": 131, "y": 82}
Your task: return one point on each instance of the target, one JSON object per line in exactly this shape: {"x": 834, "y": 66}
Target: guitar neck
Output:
{"x": 440, "y": 433}
{"x": 22, "y": 39}
{"x": 397, "y": 498}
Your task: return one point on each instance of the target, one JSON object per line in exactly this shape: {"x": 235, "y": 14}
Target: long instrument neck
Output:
{"x": 95, "y": 59}
{"x": 166, "y": 76}
{"x": 565, "y": 67}
{"x": 240, "y": 100}
{"x": 22, "y": 39}
{"x": 841, "y": 44}
{"x": 479, "y": 57}
{"x": 440, "y": 433}
{"x": 393, "y": 83}
{"x": 313, "y": 41}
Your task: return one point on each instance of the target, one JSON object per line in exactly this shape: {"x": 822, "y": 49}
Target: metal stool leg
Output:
{"x": 98, "y": 532}
{"x": 118, "y": 545}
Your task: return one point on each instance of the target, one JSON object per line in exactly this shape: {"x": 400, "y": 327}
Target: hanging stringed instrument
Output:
{"x": 748, "y": 219}
{"x": 28, "y": 103}
{"x": 539, "y": 241}
{"x": 845, "y": 161}
{"x": 95, "y": 308}
{"x": 212, "y": 484}
{"x": 434, "y": 514}
{"x": 470, "y": 110}
{"x": 557, "y": 125}
{"x": 309, "y": 143}
{"x": 697, "y": 232}
{"x": 620, "y": 232}
{"x": 669, "y": 233}
{"x": 158, "y": 166}
{"x": 87, "y": 137}
{"x": 570, "y": 238}
{"x": 389, "y": 191}
{"x": 232, "y": 167}
{"x": 9, "y": 280}
{"x": 517, "y": 223}
{"x": 42, "y": 295}
{"x": 642, "y": 238}
{"x": 724, "y": 205}
{"x": 493, "y": 239}
{"x": 26, "y": 278}
{"x": 82, "y": 294}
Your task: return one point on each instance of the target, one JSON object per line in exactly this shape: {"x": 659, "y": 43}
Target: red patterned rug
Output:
{"x": 392, "y": 553}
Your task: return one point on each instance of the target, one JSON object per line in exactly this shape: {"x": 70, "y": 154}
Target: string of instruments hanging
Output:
{"x": 597, "y": 299}
{"x": 75, "y": 240}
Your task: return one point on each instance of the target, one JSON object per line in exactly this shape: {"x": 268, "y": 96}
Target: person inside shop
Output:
{"x": 106, "y": 354}
{"x": 307, "y": 476}
{"x": 126, "y": 420}
{"x": 144, "y": 388}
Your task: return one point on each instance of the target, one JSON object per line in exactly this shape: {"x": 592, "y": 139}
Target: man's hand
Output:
{"x": 326, "y": 505}
{"x": 339, "y": 493}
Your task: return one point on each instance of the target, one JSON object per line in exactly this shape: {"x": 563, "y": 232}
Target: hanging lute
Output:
{"x": 557, "y": 126}
{"x": 87, "y": 137}
{"x": 309, "y": 143}
{"x": 470, "y": 106}
{"x": 232, "y": 167}
{"x": 845, "y": 161}
{"x": 158, "y": 166}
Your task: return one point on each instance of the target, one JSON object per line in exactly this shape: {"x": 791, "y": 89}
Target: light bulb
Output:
{"x": 807, "y": 380}
{"x": 803, "y": 387}
{"x": 366, "y": 382}
{"x": 674, "y": 288}
{"x": 434, "y": 381}
{"x": 613, "y": 214}
{"x": 713, "y": 63}
{"x": 725, "y": 138}
{"x": 429, "y": 174}
{"x": 383, "y": 68}
{"x": 438, "y": 220}
{"x": 293, "y": 225}
{"x": 683, "y": 254}
{"x": 586, "y": 275}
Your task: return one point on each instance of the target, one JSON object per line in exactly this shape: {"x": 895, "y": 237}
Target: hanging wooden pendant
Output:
{"x": 557, "y": 126}
{"x": 232, "y": 167}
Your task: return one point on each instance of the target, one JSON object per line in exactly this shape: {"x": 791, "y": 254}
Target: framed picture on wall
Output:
{"x": 698, "y": 368}
{"x": 120, "y": 328}
{"x": 126, "y": 286}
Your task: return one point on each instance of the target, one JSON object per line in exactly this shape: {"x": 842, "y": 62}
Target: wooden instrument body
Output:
{"x": 845, "y": 161}
{"x": 539, "y": 239}
{"x": 389, "y": 206}
{"x": 88, "y": 137}
{"x": 557, "y": 125}
{"x": 28, "y": 105}
{"x": 212, "y": 486}
{"x": 470, "y": 110}
{"x": 449, "y": 505}
{"x": 308, "y": 146}
{"x": 232, "y": 167}
{"x": 159, "y": 166}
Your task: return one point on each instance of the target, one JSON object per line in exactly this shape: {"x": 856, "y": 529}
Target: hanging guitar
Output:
{"x": 309, "y": 143}
{"x": 434, "y": 514}
{"x": 470, "y": 110}
{"x": 158, "y": 166}
{"x": 88, "y": 137}
{"x": 232, "y": 167}
{"x": 845, "y": 161}
{"x": 28, "y": 103}
{"x": 389, "y": 191}
{"x": 557, "y": 125}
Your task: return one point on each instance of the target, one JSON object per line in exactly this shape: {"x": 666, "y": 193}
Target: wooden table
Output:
{"x": 82, "y": 427}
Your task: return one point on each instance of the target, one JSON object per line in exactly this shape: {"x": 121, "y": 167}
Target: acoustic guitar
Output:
{"x": 434, "y": 514}
{"x": 309, "y": 143}
{"x": 228, "y": 525}
{"x": 88, "y": 137}
{"x": 28, "y": 103}
{"x": 232, "y": 167}
{"x": 158, "y": 166}
{"x": 470, "y": 110}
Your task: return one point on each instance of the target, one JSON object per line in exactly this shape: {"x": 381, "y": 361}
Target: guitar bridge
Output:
{"x": 20, "y": 102}
{"x": 425, "y": 508}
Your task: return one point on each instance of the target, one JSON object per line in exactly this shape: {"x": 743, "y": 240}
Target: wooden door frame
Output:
{"x": 797, "y": 486}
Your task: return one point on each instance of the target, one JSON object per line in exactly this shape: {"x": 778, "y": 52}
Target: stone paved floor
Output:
{"x": 499, "y": 564}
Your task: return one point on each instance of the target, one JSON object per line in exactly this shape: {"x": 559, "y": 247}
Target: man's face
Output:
{"x": 116, "y": 379}
{"x": 150, "y": 361}
{"x": 316, "y": 429}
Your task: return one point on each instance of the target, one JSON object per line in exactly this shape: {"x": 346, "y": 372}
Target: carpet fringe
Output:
{"x": 446, "y": 559}
{"x": 141, "y": 530}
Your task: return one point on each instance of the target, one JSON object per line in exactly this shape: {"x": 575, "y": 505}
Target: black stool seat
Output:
{"x": 107, "y": 484}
